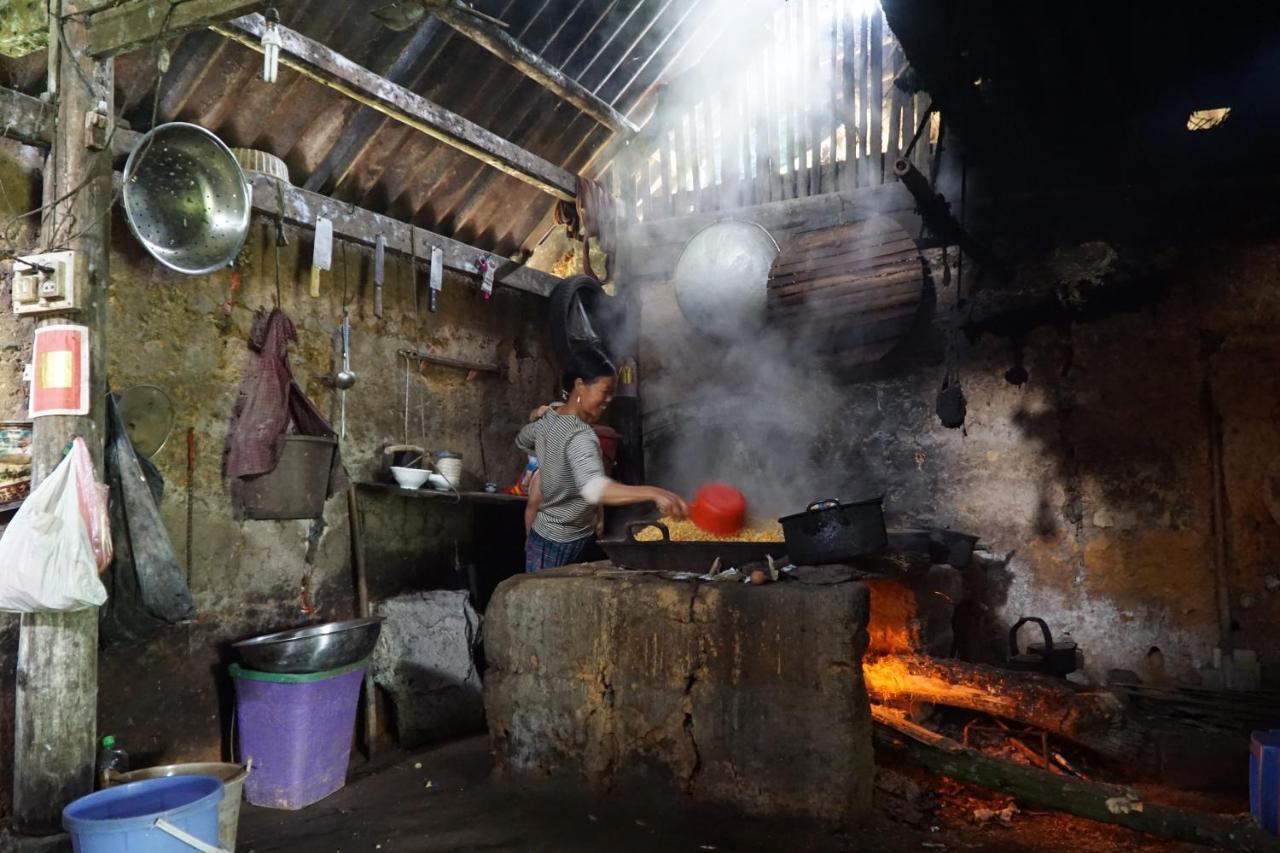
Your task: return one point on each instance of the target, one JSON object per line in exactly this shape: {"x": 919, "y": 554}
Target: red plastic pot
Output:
{"x": 609, "y": 439}
{"x": 719, "y": 509}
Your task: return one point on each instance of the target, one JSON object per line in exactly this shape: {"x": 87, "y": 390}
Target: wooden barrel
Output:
{"x": 852, "y": 291}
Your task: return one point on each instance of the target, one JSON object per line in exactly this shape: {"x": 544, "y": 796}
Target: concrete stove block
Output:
{"x": 746, "y": 695}
{"x": 425, "y": 661}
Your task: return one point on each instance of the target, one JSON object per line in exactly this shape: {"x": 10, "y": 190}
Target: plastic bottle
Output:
{"x": 111, "y": 758}
{"x": 526, "y": 477}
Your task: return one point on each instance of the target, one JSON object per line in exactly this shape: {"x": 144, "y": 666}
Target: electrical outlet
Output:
{"x": 51, "y": 283}
{"x": 26, "y": 289}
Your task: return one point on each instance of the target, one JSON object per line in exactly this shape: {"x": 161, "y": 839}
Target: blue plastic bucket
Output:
{"x": 122, "y": 819}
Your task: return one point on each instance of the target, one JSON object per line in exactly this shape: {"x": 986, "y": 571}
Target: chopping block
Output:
{"x": 750, "y": 696}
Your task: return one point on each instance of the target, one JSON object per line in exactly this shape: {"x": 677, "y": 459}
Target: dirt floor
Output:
{"x": 446, "y": 799}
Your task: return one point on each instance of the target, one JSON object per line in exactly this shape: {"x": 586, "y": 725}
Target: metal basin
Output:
{"x": 315, "y": 648}
{"x": 186, "y": 198}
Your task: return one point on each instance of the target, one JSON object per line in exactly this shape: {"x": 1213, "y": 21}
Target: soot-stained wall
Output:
{"x": 1091, "y": 482}
{"x": 168, "y": 699}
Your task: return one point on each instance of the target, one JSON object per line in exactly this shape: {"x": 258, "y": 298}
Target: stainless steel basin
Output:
{"x": 315, "y": 648}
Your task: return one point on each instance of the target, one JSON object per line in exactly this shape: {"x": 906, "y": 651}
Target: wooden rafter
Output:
{"x": 535, "y": 67}
{"x": 332, "y": 69}
{"x": 130, "y": 26}
{"x": 30, "y": 120}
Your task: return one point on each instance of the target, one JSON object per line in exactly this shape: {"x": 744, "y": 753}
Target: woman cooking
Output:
{"x": 571, "y": 479}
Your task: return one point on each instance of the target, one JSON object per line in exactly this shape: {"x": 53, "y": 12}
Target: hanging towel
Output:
{"x": 270, "y": 403}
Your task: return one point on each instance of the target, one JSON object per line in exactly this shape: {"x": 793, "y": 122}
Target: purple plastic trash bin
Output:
{"x": 297, "y": 729}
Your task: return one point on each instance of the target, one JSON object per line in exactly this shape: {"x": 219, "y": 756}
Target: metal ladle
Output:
{"x": 346, "y": 377}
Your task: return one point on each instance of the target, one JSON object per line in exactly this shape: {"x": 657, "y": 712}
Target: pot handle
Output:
{"x": 825, "y": 503}
{"x": 186, "y": 838}
{"x": 634, "y": 526}
{"x": 1044, "y": 629}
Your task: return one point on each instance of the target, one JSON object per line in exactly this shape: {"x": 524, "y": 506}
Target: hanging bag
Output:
{"x": 47, "y": 557}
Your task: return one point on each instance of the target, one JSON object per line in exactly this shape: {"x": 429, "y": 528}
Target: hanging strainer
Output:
{"x": 186, "y": 198}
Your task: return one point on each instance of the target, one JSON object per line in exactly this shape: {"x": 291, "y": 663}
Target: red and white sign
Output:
{"x": 60, "y": 371}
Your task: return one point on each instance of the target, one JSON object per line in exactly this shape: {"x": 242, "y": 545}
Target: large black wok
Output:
{"x": 668, "y": 556}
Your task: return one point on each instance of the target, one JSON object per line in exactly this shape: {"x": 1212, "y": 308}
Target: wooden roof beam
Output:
{"x": 132, "y": 25}
{"x": 357, "y": 225}
{"x": 534, "y": 66}
{"x": 330, "y": 68}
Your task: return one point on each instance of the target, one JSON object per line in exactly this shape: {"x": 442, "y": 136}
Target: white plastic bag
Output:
{"x": 47, "y": 560}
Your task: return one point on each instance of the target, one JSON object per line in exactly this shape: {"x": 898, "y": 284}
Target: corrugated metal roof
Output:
{"x": 616, "y": 48}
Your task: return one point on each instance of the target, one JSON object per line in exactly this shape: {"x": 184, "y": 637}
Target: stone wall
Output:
{"x": 1090, "y": 483}
{"x": 167, "y": 699}
{"x": 747, "y": 695}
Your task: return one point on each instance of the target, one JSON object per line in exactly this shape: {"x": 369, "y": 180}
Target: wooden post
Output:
{"x": 875, "y": 102}
{"x": 56, "y": 706}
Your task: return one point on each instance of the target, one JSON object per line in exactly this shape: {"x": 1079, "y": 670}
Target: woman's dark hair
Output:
{"x": 588, "y": 364}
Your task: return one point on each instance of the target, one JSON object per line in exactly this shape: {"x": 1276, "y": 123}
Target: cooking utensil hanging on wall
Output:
{"x": 831, "y": 531}
{"x": 186, "y": 198}
{"x": 379, "y": 269}
{"x": 436, "y": 279}
{"x": 413, "y": 283}
{"x": 147, "y": 413}
{"x": 321, "y": 253}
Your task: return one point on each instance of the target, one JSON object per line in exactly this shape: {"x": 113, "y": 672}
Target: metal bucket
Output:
{"x": 186, "y": 199}
{"x": 232, "y": 777}
{"x": 296, "y": 487}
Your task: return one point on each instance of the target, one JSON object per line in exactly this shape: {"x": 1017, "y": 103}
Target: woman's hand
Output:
{"x": 538, "y": 413}
{"x": 670, "y": 504}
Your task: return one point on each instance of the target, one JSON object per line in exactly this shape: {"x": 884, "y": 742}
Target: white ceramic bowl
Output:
{"x": 439, "y": 481}
{"x": 410, "y": 478}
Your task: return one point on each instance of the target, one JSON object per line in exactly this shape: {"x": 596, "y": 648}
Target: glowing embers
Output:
{"x": 1207, "y": 119}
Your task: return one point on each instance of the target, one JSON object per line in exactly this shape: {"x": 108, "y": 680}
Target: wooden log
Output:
{"x": 783, "y": 217}
{"x": 666, "y": 164}
{"x": 1031, "y": 786}
{"x": 857, "y": 260}
{"x": 875, "y": 102}
{"x": 848, "y": 114}
{"x": 56, "y": 693}
{"x": 330, "y": 68}
{"x": 864, "y": 116}
{"x": 761, "y": 104}
{"x": 1091, "y": 718}
{"x": 895, "y": 110}
{"x": 533, "y": 66}
{"x": 135, "y": 24}
{"x": 848, "y": 311}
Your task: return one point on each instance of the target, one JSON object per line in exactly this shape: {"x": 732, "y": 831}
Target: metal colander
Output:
{"x": 186, "y": 198}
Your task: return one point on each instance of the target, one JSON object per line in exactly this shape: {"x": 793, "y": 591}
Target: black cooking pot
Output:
{"x": 829, "y": 531}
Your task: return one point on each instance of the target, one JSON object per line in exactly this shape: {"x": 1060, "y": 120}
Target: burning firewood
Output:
{"x": 1094, "y": 719}
{"x": 1031, "y": 786}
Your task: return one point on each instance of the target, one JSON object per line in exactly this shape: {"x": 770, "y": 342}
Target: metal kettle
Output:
{"x": 1058, "y": 659}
